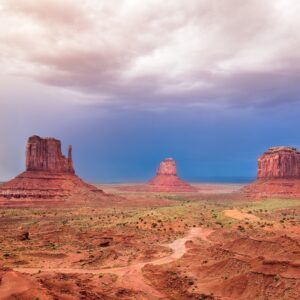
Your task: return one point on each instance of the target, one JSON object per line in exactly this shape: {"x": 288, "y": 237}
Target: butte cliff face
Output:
{"x": 279, "y": 162}
{"x": 49, "y": 175}
{"x": 166, "y": 179}
{"x": 45, "y": 155}
{"x": 167, "y": 168}
{"x": 278, "y": 174}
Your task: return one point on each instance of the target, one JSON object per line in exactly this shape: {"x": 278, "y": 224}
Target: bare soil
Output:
{"x": 203, "y": 245}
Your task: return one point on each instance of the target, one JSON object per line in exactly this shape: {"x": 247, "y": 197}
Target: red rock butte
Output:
{"x": 166, "y": 179}
{"x": 45, "y": 155}
{"x": 278, "y": 174}
{"x": 49, "y": 175}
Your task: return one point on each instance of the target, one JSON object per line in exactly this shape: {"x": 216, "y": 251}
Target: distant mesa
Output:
{"x": 167, "y": 168}
{"x": 165, "y": 180}
{"x": 278, "y": 174}
{"x": 49, "y": 175}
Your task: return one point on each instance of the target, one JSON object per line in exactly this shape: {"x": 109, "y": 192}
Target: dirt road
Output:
{"x": 131, "y": 276}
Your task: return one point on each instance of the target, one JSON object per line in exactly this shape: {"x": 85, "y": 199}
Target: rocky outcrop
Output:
{"x": 49, "y": 175}
{"x": 279, "y": 162}
{"x": 44, "y": 154}
{"x": 167, "y": 168}
{"x": 166, "y": 179}
{"x": 278, "y": 174}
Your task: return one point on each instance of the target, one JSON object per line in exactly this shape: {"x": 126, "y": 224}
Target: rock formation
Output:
{"x": 278, "y": 174}
{"x": 49, "y": 175}
{"x": 279, "y": 162}
{"x": 166, "y": 179}
{"x": 45, "y": 155}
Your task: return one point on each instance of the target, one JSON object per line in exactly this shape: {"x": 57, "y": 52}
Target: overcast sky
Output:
{"x": 211, "y": 83}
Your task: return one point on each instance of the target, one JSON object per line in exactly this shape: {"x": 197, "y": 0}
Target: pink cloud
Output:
{"x": 175, "y": 52}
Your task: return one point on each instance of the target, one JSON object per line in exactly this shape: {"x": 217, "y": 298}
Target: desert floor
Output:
{"x": 206, "y": 245}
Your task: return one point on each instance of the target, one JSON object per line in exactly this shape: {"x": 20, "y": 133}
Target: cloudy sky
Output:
{"x": 128, "y": 82}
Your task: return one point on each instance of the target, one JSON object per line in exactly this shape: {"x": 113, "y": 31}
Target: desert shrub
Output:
{"x": 241, "y": 228}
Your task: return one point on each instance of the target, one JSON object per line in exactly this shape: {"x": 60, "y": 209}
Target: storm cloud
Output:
{"x": 154, "y": 53}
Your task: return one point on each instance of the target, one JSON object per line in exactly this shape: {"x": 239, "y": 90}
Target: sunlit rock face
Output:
{"x": 279, "y": 162}
{"x": 49, "y": 175}
{"x": 166, "y": 179}
{"x": 278, "y": 174}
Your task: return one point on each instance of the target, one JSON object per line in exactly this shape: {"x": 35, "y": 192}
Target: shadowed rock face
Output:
{"x": 279, "y": 162}
{"x": 278, "y": 174}
{"x": 166, "y": 179}
{"x": 45, "y": 155}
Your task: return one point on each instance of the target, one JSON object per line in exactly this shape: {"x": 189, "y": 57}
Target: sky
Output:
{"x": 128, "y": 83}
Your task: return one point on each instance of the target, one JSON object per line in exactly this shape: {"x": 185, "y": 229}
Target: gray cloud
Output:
{"x": 154, "y": 53}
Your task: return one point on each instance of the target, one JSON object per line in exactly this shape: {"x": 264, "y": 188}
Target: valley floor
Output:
{"x": 206, "y": 245}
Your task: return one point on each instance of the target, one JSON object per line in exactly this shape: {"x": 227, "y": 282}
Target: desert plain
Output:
{"x": 203, "y": 245}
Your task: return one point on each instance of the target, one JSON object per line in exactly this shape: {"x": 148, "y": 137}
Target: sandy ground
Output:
{"x": 203, "y": 188}
{"x": 154, "y": 246}
{"x": 239, "y": 215}
{"x": 132, "y": 273}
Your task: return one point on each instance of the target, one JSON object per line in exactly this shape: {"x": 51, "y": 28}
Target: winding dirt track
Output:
{"x": 131, "y": 276}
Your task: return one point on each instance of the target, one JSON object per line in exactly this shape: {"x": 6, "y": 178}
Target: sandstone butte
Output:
{"x": 49, "y": 175}
{"x": 278, "y": 174}
{"x": 166, "y": 179}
